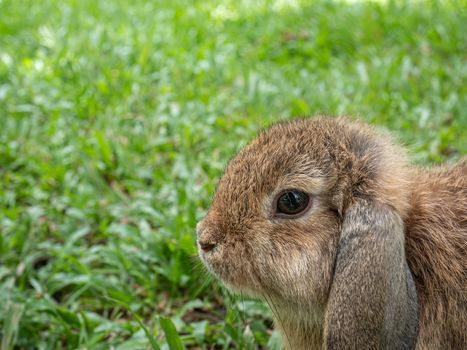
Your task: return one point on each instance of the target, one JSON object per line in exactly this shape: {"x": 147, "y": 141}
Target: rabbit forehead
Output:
{"x": 250, "y": 179}
{"x": 284, "y": 156}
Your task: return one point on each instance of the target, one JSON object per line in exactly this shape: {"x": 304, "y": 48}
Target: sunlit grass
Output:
{"x": 118, "y": 117}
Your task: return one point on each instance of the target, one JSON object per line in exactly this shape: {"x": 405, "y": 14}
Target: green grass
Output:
{"x": 117, "y": 118}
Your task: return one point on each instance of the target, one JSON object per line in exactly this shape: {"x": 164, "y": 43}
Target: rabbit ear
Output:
{"x": 372, "y": 302}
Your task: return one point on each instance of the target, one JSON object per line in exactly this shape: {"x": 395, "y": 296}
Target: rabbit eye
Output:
{"x": 291, "y": 203}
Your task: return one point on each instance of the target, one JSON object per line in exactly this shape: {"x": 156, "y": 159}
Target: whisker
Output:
{"x": 232, "y": 299}
{"x": 243, "y": 313}
{"x": 278, "y": 318}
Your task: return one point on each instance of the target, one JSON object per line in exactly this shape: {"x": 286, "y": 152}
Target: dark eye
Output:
{"x": 292, "y": 202}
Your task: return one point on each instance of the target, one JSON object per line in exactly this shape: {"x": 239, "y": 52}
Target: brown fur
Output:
{"x": 436, "y": 245}
{"x": 337, "y": 276}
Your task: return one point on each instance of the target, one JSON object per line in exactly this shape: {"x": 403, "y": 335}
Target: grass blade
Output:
{"x": 173, "y": 339}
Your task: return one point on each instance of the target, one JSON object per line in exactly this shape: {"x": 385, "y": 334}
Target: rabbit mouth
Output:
{"x": 234, "y": 277}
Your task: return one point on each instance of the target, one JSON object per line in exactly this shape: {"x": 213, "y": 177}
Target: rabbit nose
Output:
{"x": 206, "y": 246}
{"x": 205, "y": 238}
{"x": 200, "y": 231}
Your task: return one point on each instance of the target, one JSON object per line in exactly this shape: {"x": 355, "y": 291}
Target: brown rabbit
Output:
{"x": 350, "y": 246}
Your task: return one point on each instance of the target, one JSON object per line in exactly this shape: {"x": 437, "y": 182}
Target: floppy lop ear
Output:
{"x": 372, "y": 302}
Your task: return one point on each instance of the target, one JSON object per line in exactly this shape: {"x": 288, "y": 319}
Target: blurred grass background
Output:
{"x": 117, "y": 118}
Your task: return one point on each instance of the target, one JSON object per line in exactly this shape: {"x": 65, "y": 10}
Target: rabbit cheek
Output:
{"x": 299, "y": 266}
{"x": 293, "y": 272}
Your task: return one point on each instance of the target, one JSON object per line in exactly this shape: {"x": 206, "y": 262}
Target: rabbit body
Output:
{"x": 377, "y": 261}
{"x": 436, "y": 248}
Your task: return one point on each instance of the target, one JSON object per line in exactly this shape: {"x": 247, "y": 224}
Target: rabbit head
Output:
{"x": 285, "y": 211}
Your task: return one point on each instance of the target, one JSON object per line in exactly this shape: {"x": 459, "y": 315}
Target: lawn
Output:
{"x": 118, "y": 117}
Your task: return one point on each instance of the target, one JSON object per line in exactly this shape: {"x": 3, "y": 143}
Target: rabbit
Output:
{"x": 350, "y": 246}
